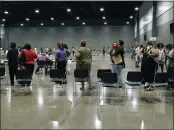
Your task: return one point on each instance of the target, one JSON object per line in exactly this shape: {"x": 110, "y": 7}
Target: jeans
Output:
{"x": 118, "y": 69}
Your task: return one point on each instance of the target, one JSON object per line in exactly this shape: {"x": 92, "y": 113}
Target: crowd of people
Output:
{"x": 150, "y": 57}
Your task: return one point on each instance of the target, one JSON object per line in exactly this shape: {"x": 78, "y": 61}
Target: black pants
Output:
{"x": 30, "y": 68}
{"x": 12, "y": 73}
{"x": 62, "y": 66}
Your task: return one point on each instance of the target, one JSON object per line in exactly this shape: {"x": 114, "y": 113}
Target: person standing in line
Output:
{"x": 137, "y": 56}
{"x": 117, "y": 60}
{"x": 46, "y": 50}
{"x": 84, "y": 60}
{"x": 104, "y": 51}
{"x": 41, "y": 50}
{"x": 160, "y": 47}
{"x": 30, "y": 56}
{"x": 12, "y": 57}
{"x": 61, "y": 58}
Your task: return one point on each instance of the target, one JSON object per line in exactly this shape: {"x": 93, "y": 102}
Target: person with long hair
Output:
{"x": 12, "y": 56}
{"x": 84, "y": 60}
{"x": 149, "y": 65}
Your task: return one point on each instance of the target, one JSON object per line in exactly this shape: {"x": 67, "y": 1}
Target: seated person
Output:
{"x": 43, "y": 58}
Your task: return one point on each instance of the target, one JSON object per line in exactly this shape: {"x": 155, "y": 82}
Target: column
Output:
{"x": 154, "y": 19}
{"x": 138, "y": 30}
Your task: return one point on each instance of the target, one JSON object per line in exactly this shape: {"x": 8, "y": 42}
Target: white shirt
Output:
{"x": 138, "y": 51}
{"x": 161, "y": 55}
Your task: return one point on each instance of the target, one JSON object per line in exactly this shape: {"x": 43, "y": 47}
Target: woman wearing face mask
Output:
{"x": 148, "y": 66}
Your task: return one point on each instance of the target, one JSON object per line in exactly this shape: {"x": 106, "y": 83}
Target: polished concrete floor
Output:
{"x": 54, "y": 107}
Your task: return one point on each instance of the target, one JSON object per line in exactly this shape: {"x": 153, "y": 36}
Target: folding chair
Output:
{"x": 134, "y": 78}
{"x": 100, "y": 73}
{"x": 170, "y": 74}
{"x": 2, "y": 74}
{"x": 108, "y": 80}
{"x": 23, "y": 76}
{"x": 2, "y": 71}
{"x": 80, "y": 75}
{"x": 41, "y": 64}
{"x": 48, "y": 65}
{"x": 161, "y": 78}
{"x": 57, "y": 75}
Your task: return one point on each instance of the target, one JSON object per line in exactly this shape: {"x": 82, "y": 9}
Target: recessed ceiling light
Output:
{"x": 41, "y": 24}
{"x": 37, "y": 11}
{"x": 104, "y": 17}
{"x": 22, "y": 24}
{"x": 5, "y": 12}
{"x": 77, "y": 18}
{"x": 136, "y": 8}
{"x": 101, "y": 9}
{"x": 127, "y": 22}
{"x": 52, "y": 18}
{"x": 68, "y": 10}
{"x": 131, "y": 17}
{"x": 62, "y": 24}
{"x": 83, "y": 23}
{"x": 3, "y": 20}
{"x": 27, "y": 19}
{"x": 2, "y": 25}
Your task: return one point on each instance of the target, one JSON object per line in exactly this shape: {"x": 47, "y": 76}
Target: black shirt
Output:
{"x": 12, "y": 57}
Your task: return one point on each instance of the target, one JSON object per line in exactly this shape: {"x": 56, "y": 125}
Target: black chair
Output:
{"x": 161, "y": 78}
{"x": 100, "y": 73}
{"x": 23, "y": 76}
{"x": 2, "y": 71}
{"x": 41, "y": 64}
{"x": 109, "y": 80}
{"x": 80, "y": 75}
{"x": 134, "y": 77}
{"x": 170, "y": 74}
{"x": 57, "y": 75}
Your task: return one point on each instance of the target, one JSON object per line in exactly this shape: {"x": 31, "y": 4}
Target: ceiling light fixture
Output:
{"x": 68, "y": 10}
{"x": 27, "y": 19}
{"x": 37, "y": 11}
{"x": 105, "y": 23}
{"x": 131, "y": 17}
{"x": 2, "y": 25}
{"x": 104, "y": 17}
{"x": 136, "y": 8}
{"x": 127, "y": 22}
{"x": 77, "y": 18}
{"x": 3, "y": 20}
{"x": 83, "y": 23}
{"x": 22, "y": 24}
{"x": 52, "y": 18}
{"x": 101, "y": 9}
{"x": 62, "y": 24}
{"x": 5, "y": 12}
{"x": 41, "y": 24}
